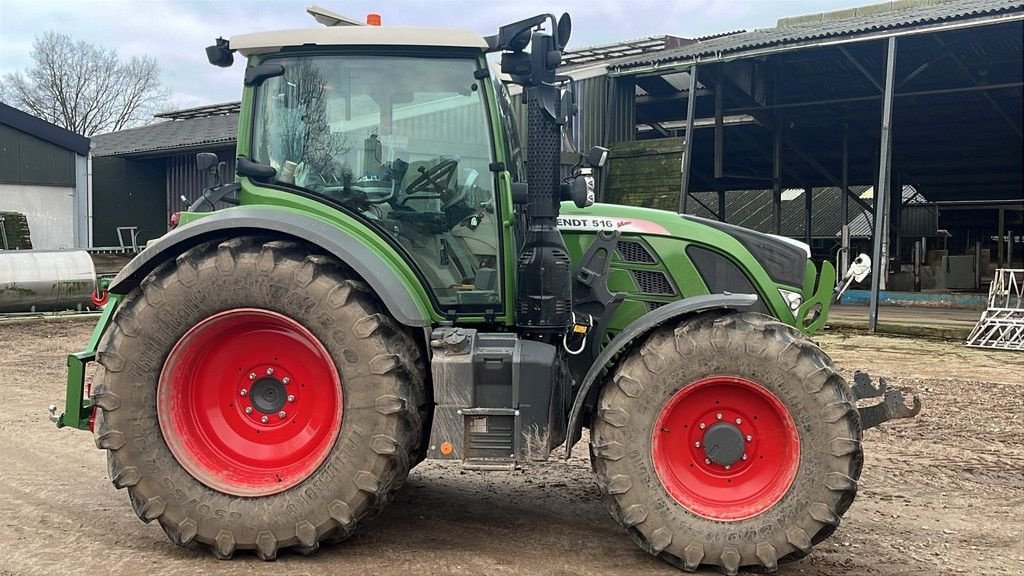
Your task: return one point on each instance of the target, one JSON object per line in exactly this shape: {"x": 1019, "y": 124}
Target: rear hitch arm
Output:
{"x": 893, "y": 406}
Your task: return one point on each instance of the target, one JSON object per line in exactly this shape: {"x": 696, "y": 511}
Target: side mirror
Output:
{"x": 597, "y": 156}
{"x": 206, "y": 161}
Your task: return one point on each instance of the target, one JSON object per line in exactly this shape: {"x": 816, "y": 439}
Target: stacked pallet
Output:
{"x": 14, "y": 232}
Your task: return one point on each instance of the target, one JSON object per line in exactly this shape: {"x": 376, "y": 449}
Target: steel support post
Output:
{"x": 691, "y": 102}
{"x": 844, "y": 204}
{"x": 721, "y": 205}
{"x": 808, "y": 193}
{"x": 719, "y": 127}
{"x": 879, "y": 237}
{"x": 777, "y": 175}
{"x": 1001, "y": 236}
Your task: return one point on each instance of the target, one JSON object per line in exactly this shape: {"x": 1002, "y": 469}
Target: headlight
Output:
{"x": 792, "y": 298}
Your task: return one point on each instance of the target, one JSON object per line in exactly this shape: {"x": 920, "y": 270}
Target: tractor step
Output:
{"x": 490, "y": 465}
{"x": 892, "y": 407}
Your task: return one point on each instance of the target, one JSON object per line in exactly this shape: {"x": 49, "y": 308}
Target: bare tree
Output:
{"x": 84, "y": 88}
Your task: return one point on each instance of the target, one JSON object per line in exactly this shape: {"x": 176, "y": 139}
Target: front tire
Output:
{"x": 728, "y": 441}
{"x": 254, "y": 396}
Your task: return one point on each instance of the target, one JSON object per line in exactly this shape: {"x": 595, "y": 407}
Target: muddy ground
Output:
{"x": 942, "y": 494}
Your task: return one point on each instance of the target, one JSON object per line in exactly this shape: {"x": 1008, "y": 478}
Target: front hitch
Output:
{"x": 893, "y": 406}
{"x": 78, "y": 409}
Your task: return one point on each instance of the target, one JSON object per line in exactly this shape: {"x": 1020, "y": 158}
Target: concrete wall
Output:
{"x": 50, "y": 211}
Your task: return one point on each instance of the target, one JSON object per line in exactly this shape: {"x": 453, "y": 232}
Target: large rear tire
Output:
{"x": 728, "y": 441}
{"x": 253, "y": 396}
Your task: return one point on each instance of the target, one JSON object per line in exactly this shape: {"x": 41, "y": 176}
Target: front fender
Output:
{"x": 636, "y": 329}
{"x": 392, "y": 288}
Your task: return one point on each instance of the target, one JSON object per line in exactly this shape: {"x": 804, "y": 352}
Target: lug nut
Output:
{"x": 281, "y": 414}
{"x": 264, "y": 419}
{"x": 248, "y": 409}
{"x": 697, "y": 444}
{"x": 286, "y": 380}
{"x": 243, "y": 392}
{"x": 701, "y": 425}
{"x": 706, "y": 461}
{"x": 744, "y": 456}
{"x": 739, "y": 421}
{"x": 270, "y": 371}
{"x": 252, "y": 375}
{"x": 291, "y": 397}
{"x": 749, "y": 437}
{"x": 719, "y": 415}
{"x": 727, "y": 466}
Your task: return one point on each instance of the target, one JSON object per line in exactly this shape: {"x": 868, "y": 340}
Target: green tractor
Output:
{"x": 384, "y": 282}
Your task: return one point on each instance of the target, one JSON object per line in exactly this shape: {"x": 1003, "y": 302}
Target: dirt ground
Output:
{"x": 942, "y": 494}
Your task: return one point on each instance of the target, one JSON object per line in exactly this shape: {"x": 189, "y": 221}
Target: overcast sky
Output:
{"x": 175, "y": 32}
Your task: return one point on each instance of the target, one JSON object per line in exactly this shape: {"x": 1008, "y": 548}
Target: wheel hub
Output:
{"x": 268, "y": 395}
{"x": 249, "y": 402}
{"x": 725, "y": 448}
{"x": 724, "y": 444}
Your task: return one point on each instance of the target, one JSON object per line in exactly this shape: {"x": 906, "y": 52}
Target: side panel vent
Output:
{"x": 653, "y": 282}
{"x": 652, "y": 306}
{"x": 631, "y": 251}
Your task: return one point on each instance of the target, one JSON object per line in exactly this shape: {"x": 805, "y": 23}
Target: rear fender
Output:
{"x": 638, "y": 329}
{"x": 393, "y": 290}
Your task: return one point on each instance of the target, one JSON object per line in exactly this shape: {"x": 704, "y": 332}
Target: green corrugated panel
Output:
{"x": 644, "y": 173}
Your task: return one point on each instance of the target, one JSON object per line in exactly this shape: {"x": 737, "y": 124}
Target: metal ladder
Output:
{"x": 1001, "y": 326}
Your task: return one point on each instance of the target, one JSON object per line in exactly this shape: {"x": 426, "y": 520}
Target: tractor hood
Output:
{"x": 784, "y": 259}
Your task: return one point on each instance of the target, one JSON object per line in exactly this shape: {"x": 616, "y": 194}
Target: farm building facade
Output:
{"x": 44, "y": 184}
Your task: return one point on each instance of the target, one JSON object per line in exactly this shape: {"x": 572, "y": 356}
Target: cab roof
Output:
{"x": 268, "y": 42}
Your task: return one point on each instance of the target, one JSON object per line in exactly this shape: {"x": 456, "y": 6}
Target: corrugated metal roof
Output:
{"x": 173, "y": 135}
{"x": 854, "y": 22}
{"x": 588, "y": 55}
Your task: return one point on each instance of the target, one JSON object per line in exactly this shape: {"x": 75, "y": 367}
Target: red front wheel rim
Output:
{"x": 249, "y": 402}
{"x": 725, "y": 448}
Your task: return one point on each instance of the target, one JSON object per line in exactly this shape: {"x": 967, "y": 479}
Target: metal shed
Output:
{"x": 915, "y": 92}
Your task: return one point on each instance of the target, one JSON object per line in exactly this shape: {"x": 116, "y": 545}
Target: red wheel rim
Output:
{"x": 725, "y": 448}
{"x": 249, "y": 402}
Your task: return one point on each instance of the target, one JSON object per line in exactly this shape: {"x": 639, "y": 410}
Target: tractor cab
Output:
{"x": 399, "y": 135}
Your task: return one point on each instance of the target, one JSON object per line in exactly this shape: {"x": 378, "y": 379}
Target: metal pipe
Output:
{"x": 691, "y": 103}
{"x": 882, "y": 189}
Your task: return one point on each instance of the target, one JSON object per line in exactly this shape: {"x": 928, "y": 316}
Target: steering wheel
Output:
{"x": 435, "y": 179}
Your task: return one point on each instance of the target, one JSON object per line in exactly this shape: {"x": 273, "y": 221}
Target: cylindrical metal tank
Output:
{"x": 45, "y": 281}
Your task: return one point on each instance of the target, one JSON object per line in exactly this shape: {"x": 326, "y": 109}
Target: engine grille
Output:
{"x": 652, "y": 282}
{"x": 631, "y": 251}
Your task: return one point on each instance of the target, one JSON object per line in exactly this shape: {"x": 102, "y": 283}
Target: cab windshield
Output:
{"x": 403, "y": 141}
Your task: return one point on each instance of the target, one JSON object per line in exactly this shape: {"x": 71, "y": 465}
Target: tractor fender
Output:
{"x": 338, "y": 242}
{"x": 636, "y": 329}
